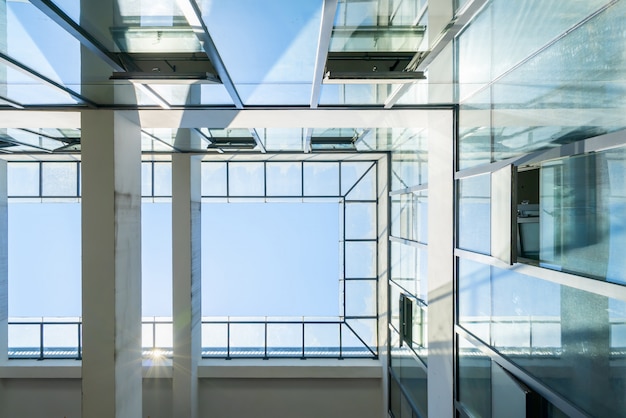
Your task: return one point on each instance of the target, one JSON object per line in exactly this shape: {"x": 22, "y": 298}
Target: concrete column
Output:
{"x": 111, "y": 270}
{"x": 440, "y": 265}
{"x": 186, "y": 283}
{"x": 4, "y": 263}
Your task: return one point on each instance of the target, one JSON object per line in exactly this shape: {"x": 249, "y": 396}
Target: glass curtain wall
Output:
{"x": 408, "y": 283}
{"x": 545, "y": 320}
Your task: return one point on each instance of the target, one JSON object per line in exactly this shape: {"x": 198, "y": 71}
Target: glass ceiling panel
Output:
{"x": 377, "y": 25}
{"x": 282, "y": 139}
{"x": 39, "y": 43}
{"x": 25, "y": 90}
{"x": 356, "y": 94}
{"x": 135, "y": 25}
{"x": 277, "y": 68}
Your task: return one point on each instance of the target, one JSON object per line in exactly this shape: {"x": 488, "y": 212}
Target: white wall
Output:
{"x": 223, "y": 398}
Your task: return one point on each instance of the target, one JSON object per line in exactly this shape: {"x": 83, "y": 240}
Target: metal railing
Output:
{"x": 226, "y": 338}
{"x": 275, "y": 338}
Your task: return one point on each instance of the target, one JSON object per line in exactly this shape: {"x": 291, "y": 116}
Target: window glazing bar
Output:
{"x": 420, "y": 62}
{"x": 329, "y": 10}
{"x": 194, "y": 18}
{"x": 6, "y": 101}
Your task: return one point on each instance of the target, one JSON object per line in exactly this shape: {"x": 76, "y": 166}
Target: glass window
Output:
{"x": 474, "y": 214}
{"x": 59, "y": 179}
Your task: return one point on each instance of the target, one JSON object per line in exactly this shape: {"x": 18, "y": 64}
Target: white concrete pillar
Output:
{"x": 4, "y": 263}
{"x": 440, "y": 265}
{"x": 111, "y": 268}
{"x": 186, "y": 283}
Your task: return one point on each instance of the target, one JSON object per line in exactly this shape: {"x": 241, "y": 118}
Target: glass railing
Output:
{"x": 227, "y": 338}
{"x": 266, "y": 338}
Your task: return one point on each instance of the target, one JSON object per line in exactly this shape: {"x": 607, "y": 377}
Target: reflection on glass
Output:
{"x": 360, "y": 220}
{"x": 571, "y": 79}
{"x": 581, "y": 218}
{"x": 409, "y": 269}
{"x": 567, "y": 338}
{"x": 284, "y": 179}
{"x": 412, "y": 376}
{"x": 474, "y": 214}
{"x": 376, "y": 25}
{"x": 321, "y": 179}
{"x": 474, "y": 379}
{"x": 246, "y": 179}
{"x": 360, "y": 298}
{"x": 23, "y": 179}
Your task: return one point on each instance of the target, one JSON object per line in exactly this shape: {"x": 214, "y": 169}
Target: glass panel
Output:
{"x": 474, "y": 214}
{"x": 365, "y": 189}
{"x": 23, "y": 179}
{"x": 146, "y": 179}
{"x": 321, "y": 179}
{"x": 214, "y": 339}
{"x": 163, "y": 179}
{"x": 247, "y": 340}
{"x": 360, "y": 297}
{"x": 474, "y": 312}
{"x": 321, "y": 340}
{"x": 355, "y": 332}
{"x": 409, "y": 269}
{"x": 283, "y": 52}
{"x": 246, "y": 179}
{"x": 474, "y": 374}
{"x": 284, "y": 179}
{"x": 284, "y": 340}
{"x": 412, "y": 376}
{"x": 360, "y": 259}
{"x": 214, "y": 179}
{"x": 24, "y": 340}
{"x": 59, "y": 179}
{"x": 373, "y": 25}
{"x": 351, "y": 173}
{"x": 60, "y": 340}
{"x": 356, "y": 94}
{"x": 360, "y": 220}
{"x": 163, "y": 335}
{"x": 282, "y": 139}
{"x": 147, "y": 335}
{"x": 519, "y": 307}
{"x": 581, "y": 215}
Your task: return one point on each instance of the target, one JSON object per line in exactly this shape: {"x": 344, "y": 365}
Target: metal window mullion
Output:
{"x": 41, "y": 348}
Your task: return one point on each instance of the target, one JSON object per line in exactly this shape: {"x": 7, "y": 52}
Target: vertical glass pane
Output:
{"x": 24, "y": 340}
{"x": 284, "y": 179}
{"x": 474, "y": 214}
{"x": 360, "y": 298}
{"x": 321, "y": 179}
{"x": 247, "y": 340}
{"x": 360, "y": 259}
{"x": 214, "y": 339}
{"x": 284, "y": 340}
{"x": 351, "y": 172}
{"x": 23, "y": 179}
{"x": 474, "y": 376}
{"x": 474, "y": 284}
{"x": 59, "y": 179}
{"x": 213, "y": 179}
{"x": 163, "y": 179}
{"x": 246, "y": 179}
{"x": 360, "y": 220}
{"x": 60, "y": 340}
{"x": 146, "y": 179}
{"x": 163, "y": 335}
{"x": 581, "y": 218}
{"x": 365, "y": 189}
{"x": 321, "y": 340}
